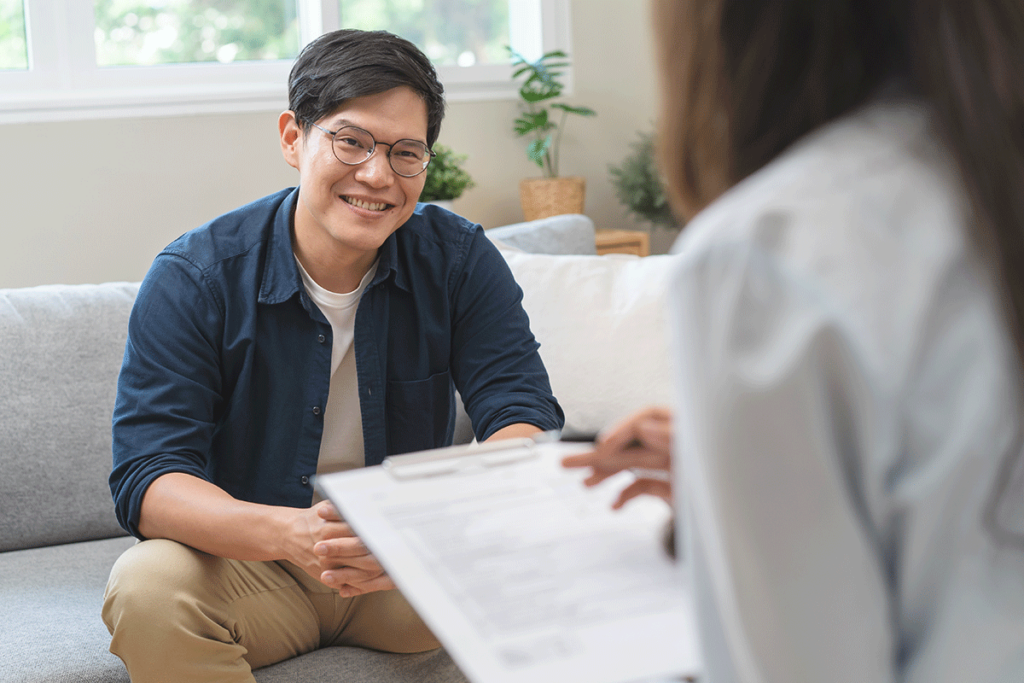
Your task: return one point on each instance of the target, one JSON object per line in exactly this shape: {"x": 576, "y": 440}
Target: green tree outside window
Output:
{"x": 132, "y": 33}
{"x": 450, "y": 32}
{"x": 13, "y": 47}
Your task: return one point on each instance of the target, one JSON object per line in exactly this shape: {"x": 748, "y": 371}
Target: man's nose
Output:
{"x": 376, "y": 171}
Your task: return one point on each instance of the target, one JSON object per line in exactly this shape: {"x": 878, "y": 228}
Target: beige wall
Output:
{"x": 94, "y": 201}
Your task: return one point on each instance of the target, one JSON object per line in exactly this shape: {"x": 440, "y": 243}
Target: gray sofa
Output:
{"x": 60, "y": 351}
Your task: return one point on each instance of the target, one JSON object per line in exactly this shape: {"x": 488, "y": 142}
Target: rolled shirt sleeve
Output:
{"x": 169, "y": 388}
{"x": 495, "y": 361}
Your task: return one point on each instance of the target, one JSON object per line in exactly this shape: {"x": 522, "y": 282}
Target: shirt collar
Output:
{"x": 281, "y": 279}
{"x": 389, "y": 262}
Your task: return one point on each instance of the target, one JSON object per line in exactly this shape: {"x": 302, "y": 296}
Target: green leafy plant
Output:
{"x": 639, "y": 186}
{"x": 446, "y": 179}
{"x": 541, "y": 85}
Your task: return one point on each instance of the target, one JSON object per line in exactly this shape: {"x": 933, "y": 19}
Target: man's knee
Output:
{"x": 149, "y": 578}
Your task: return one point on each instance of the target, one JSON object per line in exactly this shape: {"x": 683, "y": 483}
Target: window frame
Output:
{"x": 63, "y": 82}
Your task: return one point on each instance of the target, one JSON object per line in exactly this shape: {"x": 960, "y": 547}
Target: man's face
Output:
{"x": 345, "y": 213}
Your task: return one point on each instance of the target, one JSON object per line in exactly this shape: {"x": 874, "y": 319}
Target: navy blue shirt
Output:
{"x": 227, "y": 366}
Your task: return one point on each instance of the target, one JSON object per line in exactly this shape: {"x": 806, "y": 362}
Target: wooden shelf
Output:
{"x": 623, "y": 242}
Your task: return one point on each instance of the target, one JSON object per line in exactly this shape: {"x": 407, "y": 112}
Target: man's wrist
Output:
{"x": 514, "y": 431}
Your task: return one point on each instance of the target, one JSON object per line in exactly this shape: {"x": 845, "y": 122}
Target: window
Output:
{"x": 74, "y": 59}
{"x": 188, "y": 32}
{"x": 13, "y": 49}
{"x": 457, "y": 33}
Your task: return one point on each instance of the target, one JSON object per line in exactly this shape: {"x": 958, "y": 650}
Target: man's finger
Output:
{"x": 364, "y": 563}
{"x": 326, "y": 510}
{"x": 336, "y": 530}
{"x": 382, "y": 583}
{"x": 350, "y": 576}
{"x": 350, "y": 546}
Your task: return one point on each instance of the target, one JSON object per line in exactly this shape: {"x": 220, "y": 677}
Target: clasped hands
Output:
{"x": 329, "y": 551}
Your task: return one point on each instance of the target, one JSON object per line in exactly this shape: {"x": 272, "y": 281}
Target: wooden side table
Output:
{"x": 622, "y": 242}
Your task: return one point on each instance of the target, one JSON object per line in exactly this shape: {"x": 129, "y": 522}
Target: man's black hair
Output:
{"x": 346, "y": 64}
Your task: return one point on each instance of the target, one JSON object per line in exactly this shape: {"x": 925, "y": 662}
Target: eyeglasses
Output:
{"x": 353, "y": 146}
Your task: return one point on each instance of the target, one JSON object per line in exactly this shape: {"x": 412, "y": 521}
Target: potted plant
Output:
{"x": 540, "y": 86}
{"x": 639, "y": 185}
{"x": 446, "y": 178}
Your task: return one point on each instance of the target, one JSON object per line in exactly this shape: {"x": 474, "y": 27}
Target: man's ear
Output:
{"x": 291, "y": 138}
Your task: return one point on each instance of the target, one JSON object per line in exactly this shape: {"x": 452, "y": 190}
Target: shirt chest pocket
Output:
{"x": 420, "y": 413}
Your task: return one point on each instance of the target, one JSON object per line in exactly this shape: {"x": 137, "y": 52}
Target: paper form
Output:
{"x": 523, "y": 573}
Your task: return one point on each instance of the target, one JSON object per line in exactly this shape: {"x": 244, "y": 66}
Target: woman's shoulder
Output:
{"x": 863, "y": 220}
{"x": 860, "y": 177}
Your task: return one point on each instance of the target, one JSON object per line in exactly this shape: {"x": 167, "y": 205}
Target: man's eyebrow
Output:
{"x": 341, "y": 123}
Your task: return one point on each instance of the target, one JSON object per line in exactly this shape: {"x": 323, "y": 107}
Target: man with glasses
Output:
{"x": 320, "y": 328}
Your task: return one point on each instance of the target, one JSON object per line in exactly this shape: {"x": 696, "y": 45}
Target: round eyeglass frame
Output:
{"x": 390, "y": 145}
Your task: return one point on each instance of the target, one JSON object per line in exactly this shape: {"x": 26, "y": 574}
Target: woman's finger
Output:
{"x": 647, "y": 427}
{"x": 654, "y": 487}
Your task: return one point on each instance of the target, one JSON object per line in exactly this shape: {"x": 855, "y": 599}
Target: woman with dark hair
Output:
{"x": 848, "y": 321}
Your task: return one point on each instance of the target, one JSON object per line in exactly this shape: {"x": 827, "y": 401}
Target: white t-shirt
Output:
{"x": 341, "y": 447}
{"x": 847, "y": 394}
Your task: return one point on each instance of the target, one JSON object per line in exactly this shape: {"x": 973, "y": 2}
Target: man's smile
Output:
{"x": 369, "y": 206}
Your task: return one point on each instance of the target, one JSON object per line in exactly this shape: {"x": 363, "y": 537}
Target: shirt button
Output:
{"x": 316, "y": 410}
{"x": 321, "y": 338}
{"x": 305, "y": 480}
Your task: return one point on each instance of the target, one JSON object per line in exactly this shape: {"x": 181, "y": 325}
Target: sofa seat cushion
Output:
{"x": 51, "y": 630}
{"x": 50, "y": 601}
{"x": 355, "y": 665}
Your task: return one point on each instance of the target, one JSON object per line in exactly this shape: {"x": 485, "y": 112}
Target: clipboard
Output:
{"x": 522, "y": 573}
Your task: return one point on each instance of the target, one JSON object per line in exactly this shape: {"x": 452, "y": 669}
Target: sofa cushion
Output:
{"x": 60, "y": 353}
{"x": 600, "y": 321}
{"x": 51, "y": 629}
{"x": 566, "y": 234}
{"x": 355, "y": 665}
{"x": 50, "y": 624}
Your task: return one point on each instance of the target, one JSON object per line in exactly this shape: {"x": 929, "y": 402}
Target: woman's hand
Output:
{"x": 329, "y": 551}
{"x": 642, "y": 443}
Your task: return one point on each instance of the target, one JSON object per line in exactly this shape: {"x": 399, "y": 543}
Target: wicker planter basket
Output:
{"x": 543, "y": 197}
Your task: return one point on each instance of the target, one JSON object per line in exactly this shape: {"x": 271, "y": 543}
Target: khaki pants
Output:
{"x": 178, "y": 614}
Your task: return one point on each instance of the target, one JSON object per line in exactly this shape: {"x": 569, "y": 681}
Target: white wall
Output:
{"x": 95, "y": 201}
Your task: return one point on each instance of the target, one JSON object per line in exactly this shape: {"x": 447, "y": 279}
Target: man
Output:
{"x": 322, "y": 327}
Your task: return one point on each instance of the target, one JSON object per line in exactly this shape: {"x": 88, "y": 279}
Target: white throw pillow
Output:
{"x": 600, "y": 321}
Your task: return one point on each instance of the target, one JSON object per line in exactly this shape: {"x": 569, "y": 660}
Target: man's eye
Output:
{"x": 407, "y": 151}
{"x": 349, "y": 142}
